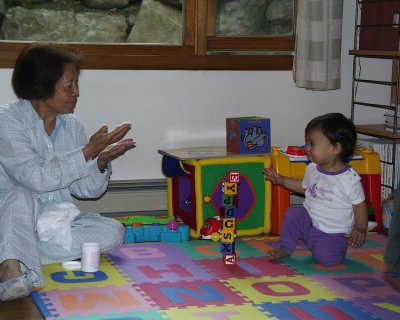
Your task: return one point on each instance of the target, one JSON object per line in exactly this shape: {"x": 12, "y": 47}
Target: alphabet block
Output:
{"x": 229, "y": 212}
{"x": 229, "y": 259}
{"x": 234, "y": 176}
{"x": 230, "y": 188}
{"x": 227, "y": 247}
{"x": 227, "y": 200}
{"x": 228, "y": 224}
{"x": 227, "y": 236}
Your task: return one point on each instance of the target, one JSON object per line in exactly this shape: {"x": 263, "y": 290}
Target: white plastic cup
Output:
{"x": 90, "y": 258}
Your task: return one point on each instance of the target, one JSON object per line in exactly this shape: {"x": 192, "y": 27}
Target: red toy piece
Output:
{"x": 211, "y": 229}
{"x": 296, "y": 151}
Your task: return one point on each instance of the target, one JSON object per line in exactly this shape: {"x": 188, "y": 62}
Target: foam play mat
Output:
{"x": 188, "y": 280}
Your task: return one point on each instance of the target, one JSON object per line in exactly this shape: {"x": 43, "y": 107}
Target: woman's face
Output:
{"x": 66, "y": 92}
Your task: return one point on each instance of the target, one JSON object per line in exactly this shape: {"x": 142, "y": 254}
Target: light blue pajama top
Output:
{"x": 29, "y": 158}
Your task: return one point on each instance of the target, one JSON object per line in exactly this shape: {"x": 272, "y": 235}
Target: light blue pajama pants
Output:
{"x": 19, "y": 211}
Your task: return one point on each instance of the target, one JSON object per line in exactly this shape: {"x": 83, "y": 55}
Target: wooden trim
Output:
{"x": 375, "y": 53}
{"x": 211, "y": 15}
{"x": 251, "y": 43}
{"x": 105, "y": 56}
{"x": 189, "y": 37}
{"x": 201, "y": 36}
{"x": 377, "y": 130}
{"x": 239, "y": 62}
{"x": 245, "y": 62}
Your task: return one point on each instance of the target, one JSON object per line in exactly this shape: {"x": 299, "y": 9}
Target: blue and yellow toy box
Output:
{"x": 248, "y": 135}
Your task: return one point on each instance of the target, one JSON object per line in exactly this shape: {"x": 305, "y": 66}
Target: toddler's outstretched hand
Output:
{"x": 273, "y": 176}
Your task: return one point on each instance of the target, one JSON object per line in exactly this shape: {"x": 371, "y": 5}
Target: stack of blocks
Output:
{"x": 228, "y": 215}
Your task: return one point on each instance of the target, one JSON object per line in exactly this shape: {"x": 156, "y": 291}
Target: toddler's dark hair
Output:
{"x": 337, "y": 129}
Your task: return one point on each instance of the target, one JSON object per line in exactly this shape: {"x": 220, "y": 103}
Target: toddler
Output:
{"x": 334, "y": 213}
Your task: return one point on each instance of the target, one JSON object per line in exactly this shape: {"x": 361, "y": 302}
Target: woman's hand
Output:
{"x": 108, "y": 144}
{"x": 113, "y": 151}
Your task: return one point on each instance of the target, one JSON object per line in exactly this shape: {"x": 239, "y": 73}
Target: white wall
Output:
{"x": 171, "y": 109}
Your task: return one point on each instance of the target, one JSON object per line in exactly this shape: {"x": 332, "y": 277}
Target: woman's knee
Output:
{"x": 21, "y": 202}
{"x": 116, "y": 235}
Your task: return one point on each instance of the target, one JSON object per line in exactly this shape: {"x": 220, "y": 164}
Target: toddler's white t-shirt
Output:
{"x": 329, "y": 197}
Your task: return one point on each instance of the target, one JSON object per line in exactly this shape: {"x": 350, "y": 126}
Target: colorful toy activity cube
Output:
{"x": 195, "y": 179}
{"x": 365, "y": 162}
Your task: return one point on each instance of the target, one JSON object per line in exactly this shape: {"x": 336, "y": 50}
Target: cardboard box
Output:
{"x": 248, "y": 135}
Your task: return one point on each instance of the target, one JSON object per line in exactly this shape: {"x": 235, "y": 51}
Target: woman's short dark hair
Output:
{"x": 38, "y": 68}
{"x": 337, "y": 129}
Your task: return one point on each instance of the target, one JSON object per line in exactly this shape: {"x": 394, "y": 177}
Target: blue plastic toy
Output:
{"x": 160, "y": 233}
{"x": 153, "y": 228}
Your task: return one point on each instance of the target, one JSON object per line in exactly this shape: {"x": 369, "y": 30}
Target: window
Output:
{"x": 208, "y": 44}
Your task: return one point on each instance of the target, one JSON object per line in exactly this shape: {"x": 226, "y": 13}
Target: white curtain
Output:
{"x": 318, "y": 44}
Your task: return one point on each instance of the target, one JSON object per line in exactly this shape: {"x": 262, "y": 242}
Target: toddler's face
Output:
{"x": 319, "y": 149}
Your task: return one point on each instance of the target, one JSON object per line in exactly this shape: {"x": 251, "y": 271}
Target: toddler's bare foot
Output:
{"x": 9, "y": 269}
{"x": 277, "y": 253}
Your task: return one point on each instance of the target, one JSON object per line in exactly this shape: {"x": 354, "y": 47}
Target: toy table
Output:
{"x": 195, "y": 178}
{"x": 365, "y": 162}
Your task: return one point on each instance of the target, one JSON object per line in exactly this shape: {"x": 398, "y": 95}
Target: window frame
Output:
{"x": 201, "y": 49}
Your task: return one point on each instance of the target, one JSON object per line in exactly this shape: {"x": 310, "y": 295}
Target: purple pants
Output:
{"x": 327, "y": 249}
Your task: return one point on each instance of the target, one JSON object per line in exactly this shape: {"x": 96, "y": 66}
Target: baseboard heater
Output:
{"x": 124, "y": 196}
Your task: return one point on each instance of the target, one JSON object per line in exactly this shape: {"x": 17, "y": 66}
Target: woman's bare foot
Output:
{"x": 277, "y": 253}
{"x": 13, "y": 284}
{"x": 9, "y": 269}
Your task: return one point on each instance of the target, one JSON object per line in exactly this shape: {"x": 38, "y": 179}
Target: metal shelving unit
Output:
{"x": 378, "y": 130}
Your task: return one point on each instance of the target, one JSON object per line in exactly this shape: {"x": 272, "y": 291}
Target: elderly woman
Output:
{"x": 45, "y": 158}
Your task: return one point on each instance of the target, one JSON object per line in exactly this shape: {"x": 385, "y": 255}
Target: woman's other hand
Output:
{"x": 113, "y": 151}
